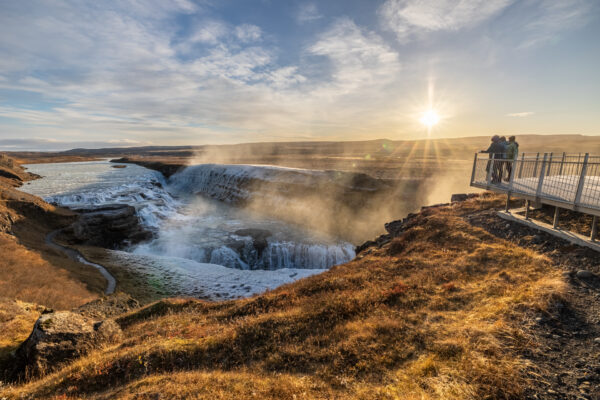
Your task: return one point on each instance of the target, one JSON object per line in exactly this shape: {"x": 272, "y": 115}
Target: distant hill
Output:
{"x": 462, "y": 148}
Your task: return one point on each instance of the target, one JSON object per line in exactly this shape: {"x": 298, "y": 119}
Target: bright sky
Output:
{"x": 112, "y": 73}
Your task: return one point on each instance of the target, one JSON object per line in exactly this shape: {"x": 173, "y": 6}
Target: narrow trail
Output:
{"x": 77, "y": 256}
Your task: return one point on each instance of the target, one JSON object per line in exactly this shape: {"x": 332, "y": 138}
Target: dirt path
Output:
{"x": 75, "y": 255}
{"x": 566, "y": 351}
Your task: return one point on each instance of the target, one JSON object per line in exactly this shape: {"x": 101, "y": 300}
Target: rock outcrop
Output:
{"x": 61, "y": 336}
{"x": 12, "y": 173}
{"x": 259, "y": 238}
{"x": 457, "y": 197}
{"x": 108, "y": 306}
{"x": 167, "y": 169}
{"x": 109, "y": 226}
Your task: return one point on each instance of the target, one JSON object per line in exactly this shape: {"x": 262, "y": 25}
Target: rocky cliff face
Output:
{"x": 109, "y": 226}
{"x": 12, "y": 173}
{"x": 164, "y": 168}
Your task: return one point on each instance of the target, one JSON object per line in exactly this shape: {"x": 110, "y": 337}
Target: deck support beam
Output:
{"x": 556, "y": 215}
{"x": 594, "y": 228}
{"x": 507, "y": 206}
{"x": 527, "y": 209}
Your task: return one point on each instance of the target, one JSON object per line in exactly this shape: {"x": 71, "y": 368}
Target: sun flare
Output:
{"x": 430, "y": 118}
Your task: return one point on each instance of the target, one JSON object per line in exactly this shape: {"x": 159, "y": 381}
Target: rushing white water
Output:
{"x": 237, "y": 183}
{"x": 212, "y": 232}
{"x": 191, "y": 233}
{"x": 183, "y": 277}
{"x": 83, "y": 184}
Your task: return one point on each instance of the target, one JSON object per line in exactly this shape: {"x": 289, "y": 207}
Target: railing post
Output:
{"x": 562, "y": 163}
{"x": 537, "y": 157}
{"x": 549, "y": 164}
{"x": 581, "y": 180}
{"x": 541, "y": 181}
{"x": 474, "y": 166}
{"x": 511, "y": 178}
{"x": 488, "y": 178}
{"x": 521, "y": 166}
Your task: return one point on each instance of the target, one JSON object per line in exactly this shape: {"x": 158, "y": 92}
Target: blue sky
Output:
{"x": 136, "y": 72}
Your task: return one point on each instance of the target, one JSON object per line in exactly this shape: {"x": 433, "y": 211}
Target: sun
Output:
{"x": 430, "y": 118}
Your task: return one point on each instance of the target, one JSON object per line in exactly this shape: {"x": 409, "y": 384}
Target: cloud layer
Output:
{"x": 190, "y": 72}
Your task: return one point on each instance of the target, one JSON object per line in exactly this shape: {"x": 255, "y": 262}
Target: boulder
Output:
{"x": 107, "y": 226}
{"x": 458, "y": 197}
{"x": 108, "y": 306}
{"x": 61, "y": 336}
{"x": 584, "y": 274}
{"x": 395, "y": 228}
{"x": 364, "y": 246}
{"x": 108, "y": 331}
{"x": 259, "y": 238}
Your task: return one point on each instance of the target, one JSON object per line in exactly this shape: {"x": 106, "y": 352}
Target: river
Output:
{"x": 201, "y": 246}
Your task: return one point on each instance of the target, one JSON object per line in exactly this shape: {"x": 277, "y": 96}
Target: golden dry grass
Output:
{"x": 436, "y": 315}
{"x": 16, "y": 320}
{"x": 26, "y": 276}
{"x": 30, "y": 271}
{"x": 33, "y": 276}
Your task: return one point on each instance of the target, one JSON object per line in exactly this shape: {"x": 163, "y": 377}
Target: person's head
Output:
{"x": 511, "y": 139}
{"x": 503, "y": 139}
{"x": 495, "y": 138}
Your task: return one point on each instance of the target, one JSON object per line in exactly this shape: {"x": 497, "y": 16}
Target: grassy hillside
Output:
{"x": 32, "y": 271}
{"x": 32, "y": 275}
{"x": 437, "y": 313}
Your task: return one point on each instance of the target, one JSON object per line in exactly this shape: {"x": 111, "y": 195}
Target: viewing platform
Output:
{"x": 569, "y": 181}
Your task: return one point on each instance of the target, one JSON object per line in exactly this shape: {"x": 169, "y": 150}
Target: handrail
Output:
{"x": 567, "y": 180}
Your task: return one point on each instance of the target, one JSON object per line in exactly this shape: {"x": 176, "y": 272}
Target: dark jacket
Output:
{"x": 496, "y": 148}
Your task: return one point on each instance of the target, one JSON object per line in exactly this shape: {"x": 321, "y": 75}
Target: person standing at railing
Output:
{"x": 497, "y": 151}
{"x": 512, "y": 152}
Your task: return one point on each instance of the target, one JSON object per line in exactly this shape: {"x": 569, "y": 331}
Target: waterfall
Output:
{"x": 187, "y": 227}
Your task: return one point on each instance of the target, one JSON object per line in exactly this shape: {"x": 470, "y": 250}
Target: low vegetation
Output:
{"x": 28, "y": 277}
{"x": 437, "y": 313}
{"x": 33, "y": 276}
{"x": 568, "y": 220}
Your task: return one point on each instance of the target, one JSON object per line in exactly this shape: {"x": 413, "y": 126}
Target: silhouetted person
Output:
{"x": 504, "y": 144}
{"x": 497, "y": 151}
{"x": 512, "y": 152}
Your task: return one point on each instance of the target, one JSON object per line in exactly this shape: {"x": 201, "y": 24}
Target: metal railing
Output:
{"x": 570, "y": 181}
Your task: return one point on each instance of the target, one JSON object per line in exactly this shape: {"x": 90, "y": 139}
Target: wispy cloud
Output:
{"x": 547, "y": 18}
{"x": 308, "y": 12}
{"x": 358, "y": 57}
{"x": 533, "y": 21}
{"x": 179, "y": 72}
{"x": 520, "y": 114}
{"x": 209, "y": 31}
{"x": 140, "y": 78}
{"x": 412, "y": 17}
{"x": 248, "y": 33}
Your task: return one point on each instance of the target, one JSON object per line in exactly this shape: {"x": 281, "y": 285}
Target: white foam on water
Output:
{"x": 96, "y": 183}
{"x": 196, "y": 250}
{"x": 183, "y": 277}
